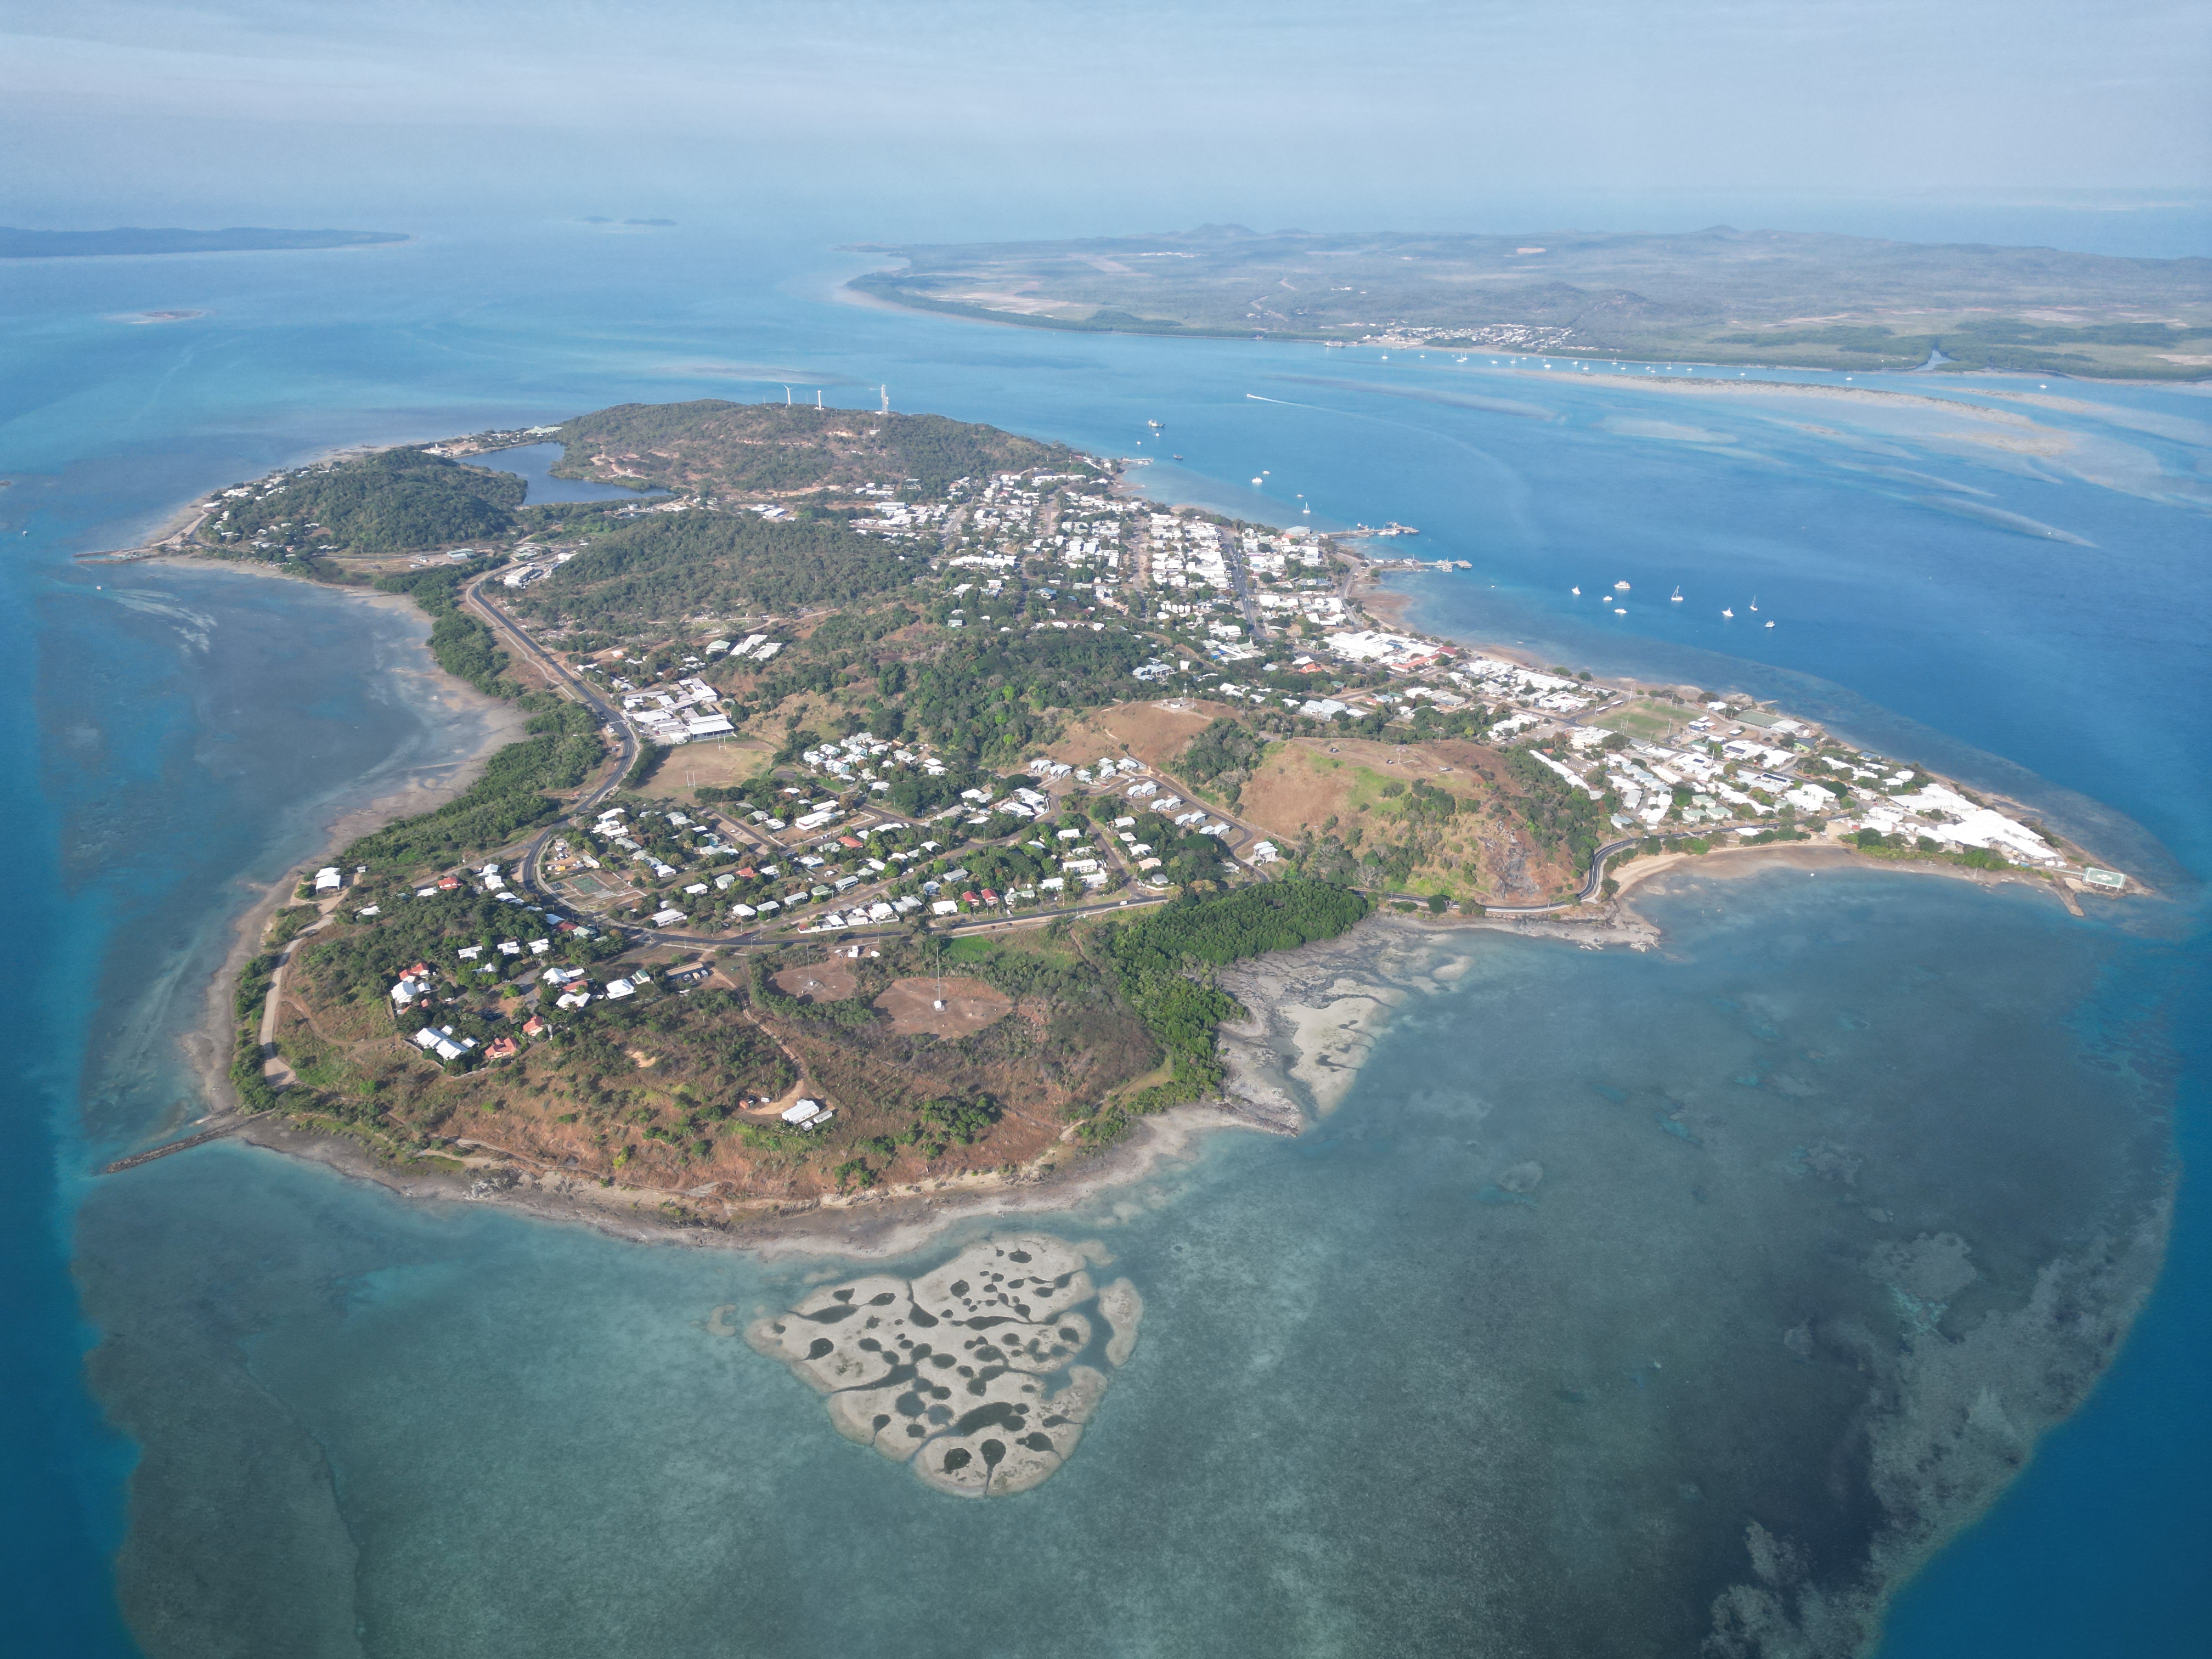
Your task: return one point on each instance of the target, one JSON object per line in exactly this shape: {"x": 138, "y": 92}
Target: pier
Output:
{"x": 185, "y": 1145}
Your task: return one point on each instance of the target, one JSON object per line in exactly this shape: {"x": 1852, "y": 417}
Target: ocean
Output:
{"x": 1383, "y": 1402}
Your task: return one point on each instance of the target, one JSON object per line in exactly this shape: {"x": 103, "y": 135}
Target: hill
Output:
{"x": 713, "y": 447}
{"x": 391, "y": 501}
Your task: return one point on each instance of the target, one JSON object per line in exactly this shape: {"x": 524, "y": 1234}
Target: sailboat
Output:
{"x": 1754, "y": 602}
{"x": 1725, "y": 612}
{"x": 1676, "y": 596}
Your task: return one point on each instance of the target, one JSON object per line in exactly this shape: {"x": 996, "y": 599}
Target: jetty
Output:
{"x": 178, "y": 541}
{"x": 217, "y": 1133}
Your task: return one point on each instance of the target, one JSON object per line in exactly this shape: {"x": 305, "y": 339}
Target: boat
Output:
{"x": 1620, "y": 588}
{"x": 1618, "y": 611}
{"x": 1725, "y": 612}
{"x": 1175, "y": 457}
{"x": 1256, "y": 483}
{"x": 1576, "y": 591}
{"x": 1676, "y": 596}
{"x": 1155, "y": 425}
{"x": 1770, "y": 624}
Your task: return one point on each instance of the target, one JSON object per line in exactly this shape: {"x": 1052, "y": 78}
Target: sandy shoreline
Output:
{"x": 1318, "y": 1011}
{"x": 423, "y": 789}
{"x": 875, "y": 1226}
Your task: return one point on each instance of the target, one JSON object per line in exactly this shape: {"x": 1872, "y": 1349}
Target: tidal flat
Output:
{"x": 1627, "y": 1299}
{"x": 1782, "y": 1244}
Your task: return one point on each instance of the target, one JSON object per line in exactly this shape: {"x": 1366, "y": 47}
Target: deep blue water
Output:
{"x": 174, "y": 735}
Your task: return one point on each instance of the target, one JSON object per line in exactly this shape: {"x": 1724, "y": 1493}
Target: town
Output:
{"x": 830, "y": 861}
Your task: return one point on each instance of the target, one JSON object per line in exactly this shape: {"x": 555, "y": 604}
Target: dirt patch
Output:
{"x": 818, "y": 981}
{"x": 1156, "y": 733}
{"x": 718, "y": 764}
{"x": 1305, "y": 781}
{"x": 1350, "y": 786}
{"x": 969, "y": 1005}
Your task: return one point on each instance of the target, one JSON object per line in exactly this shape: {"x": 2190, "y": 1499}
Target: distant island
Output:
{"x": 15, "y": 244}
{"x": 1720, "y": 296}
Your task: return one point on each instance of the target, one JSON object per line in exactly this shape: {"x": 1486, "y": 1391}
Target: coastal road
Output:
{"x": 273, "y": 1066}
{"x": 1589, "y": 888}
{"x": 557, "y": 673}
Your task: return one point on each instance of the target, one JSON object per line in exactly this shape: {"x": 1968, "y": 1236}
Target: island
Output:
{"x": 1720, "y": 296}
{"x": 17, "y": 244}
{"x": 898, "y": 801}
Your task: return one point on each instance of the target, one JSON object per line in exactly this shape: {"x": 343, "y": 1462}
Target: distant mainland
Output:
{"x": 17, "y": 244}
{"x": 1720, "y": 296}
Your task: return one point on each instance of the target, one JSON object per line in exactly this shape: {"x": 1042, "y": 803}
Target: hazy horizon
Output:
{"x": 1984, "y": 122}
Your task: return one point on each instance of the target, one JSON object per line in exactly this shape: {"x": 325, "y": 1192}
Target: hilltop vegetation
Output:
{"x": 394, "y": 501}
{"x": 776, "y": 449}
{"x": 1719, "y": 295}
{"x": 674, "y": 565}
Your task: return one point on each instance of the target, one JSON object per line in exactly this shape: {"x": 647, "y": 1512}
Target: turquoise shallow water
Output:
{"x": 435, "y": 1431}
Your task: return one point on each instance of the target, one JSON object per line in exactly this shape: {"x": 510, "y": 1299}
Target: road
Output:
{"x": 1240, "y": 583}
{"x": 1589, "y": 888}
{"x": 557, "y": 675}
{"x": 474, "y": 600}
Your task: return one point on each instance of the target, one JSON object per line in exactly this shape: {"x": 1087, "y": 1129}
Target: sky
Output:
{"x": 1012, "y": 117}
